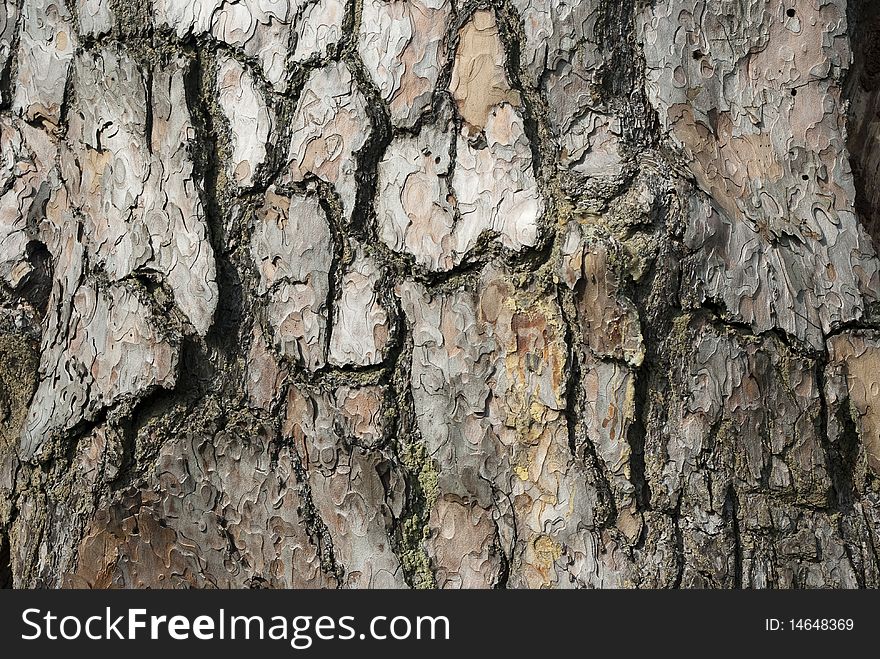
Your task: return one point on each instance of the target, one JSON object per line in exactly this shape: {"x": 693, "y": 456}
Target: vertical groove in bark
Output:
{"x": 863, "y": 121}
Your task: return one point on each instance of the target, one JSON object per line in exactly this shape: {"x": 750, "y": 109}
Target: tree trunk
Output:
{"x": 435, "y": 293}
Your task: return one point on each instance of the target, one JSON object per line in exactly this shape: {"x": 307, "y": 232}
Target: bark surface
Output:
{"x": 436, "y": 293}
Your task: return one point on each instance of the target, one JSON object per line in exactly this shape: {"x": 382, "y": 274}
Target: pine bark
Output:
{"x": 439, "y": 293}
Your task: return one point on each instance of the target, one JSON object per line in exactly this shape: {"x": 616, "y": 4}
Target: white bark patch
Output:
{"x": 495, "y": 184}
{"x": 360, "y": 324}
{"x": 96, "y": 17}
{"x": 292, "y": 249}
{"x": 260, "y": 27}
{"x": 136, "y": 191}
{"x": 329, "y": 127}
{"x": 494, "y": 180}
{"x": 437, "y": 211}
{"x": 318, "y": 29}
{"x": 415, "y": 207}
{"x": 401, "y": 42}
{"x": 46, "y": 45}
{"x": 27, "y": 159}
{"x": 250, "y": 120}
{"x": 99, "y": 347}
{"x": 267, "y": 30}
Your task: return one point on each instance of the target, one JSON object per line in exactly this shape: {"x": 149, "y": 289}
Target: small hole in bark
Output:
{"x": 805, "y": 177}
{"x": 791, "y": 13}
{"x": 437, "y": 160}
{"x": 697, "y": 54}
{"x": 794, "y": 92}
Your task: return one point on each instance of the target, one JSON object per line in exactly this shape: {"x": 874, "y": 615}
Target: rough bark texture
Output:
{"x": 436, "y": 293}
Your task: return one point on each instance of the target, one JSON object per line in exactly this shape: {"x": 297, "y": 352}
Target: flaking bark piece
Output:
{"x": 402, "y": 44}
{"x": 274, "y": 32}
{"x": 137, "y": 190}
{"x": 250, "y": 120}
{"x": 355, "y": 490}
{"x": 330, "y": 126}
{"x": 27, "y": 156}
{"x": 562, "y": 56}
{"x": 47, "y": 42}
{"x": 361, "y": 323}
{"x": 292, "y": 250}
{"x": 96, "y": 17}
